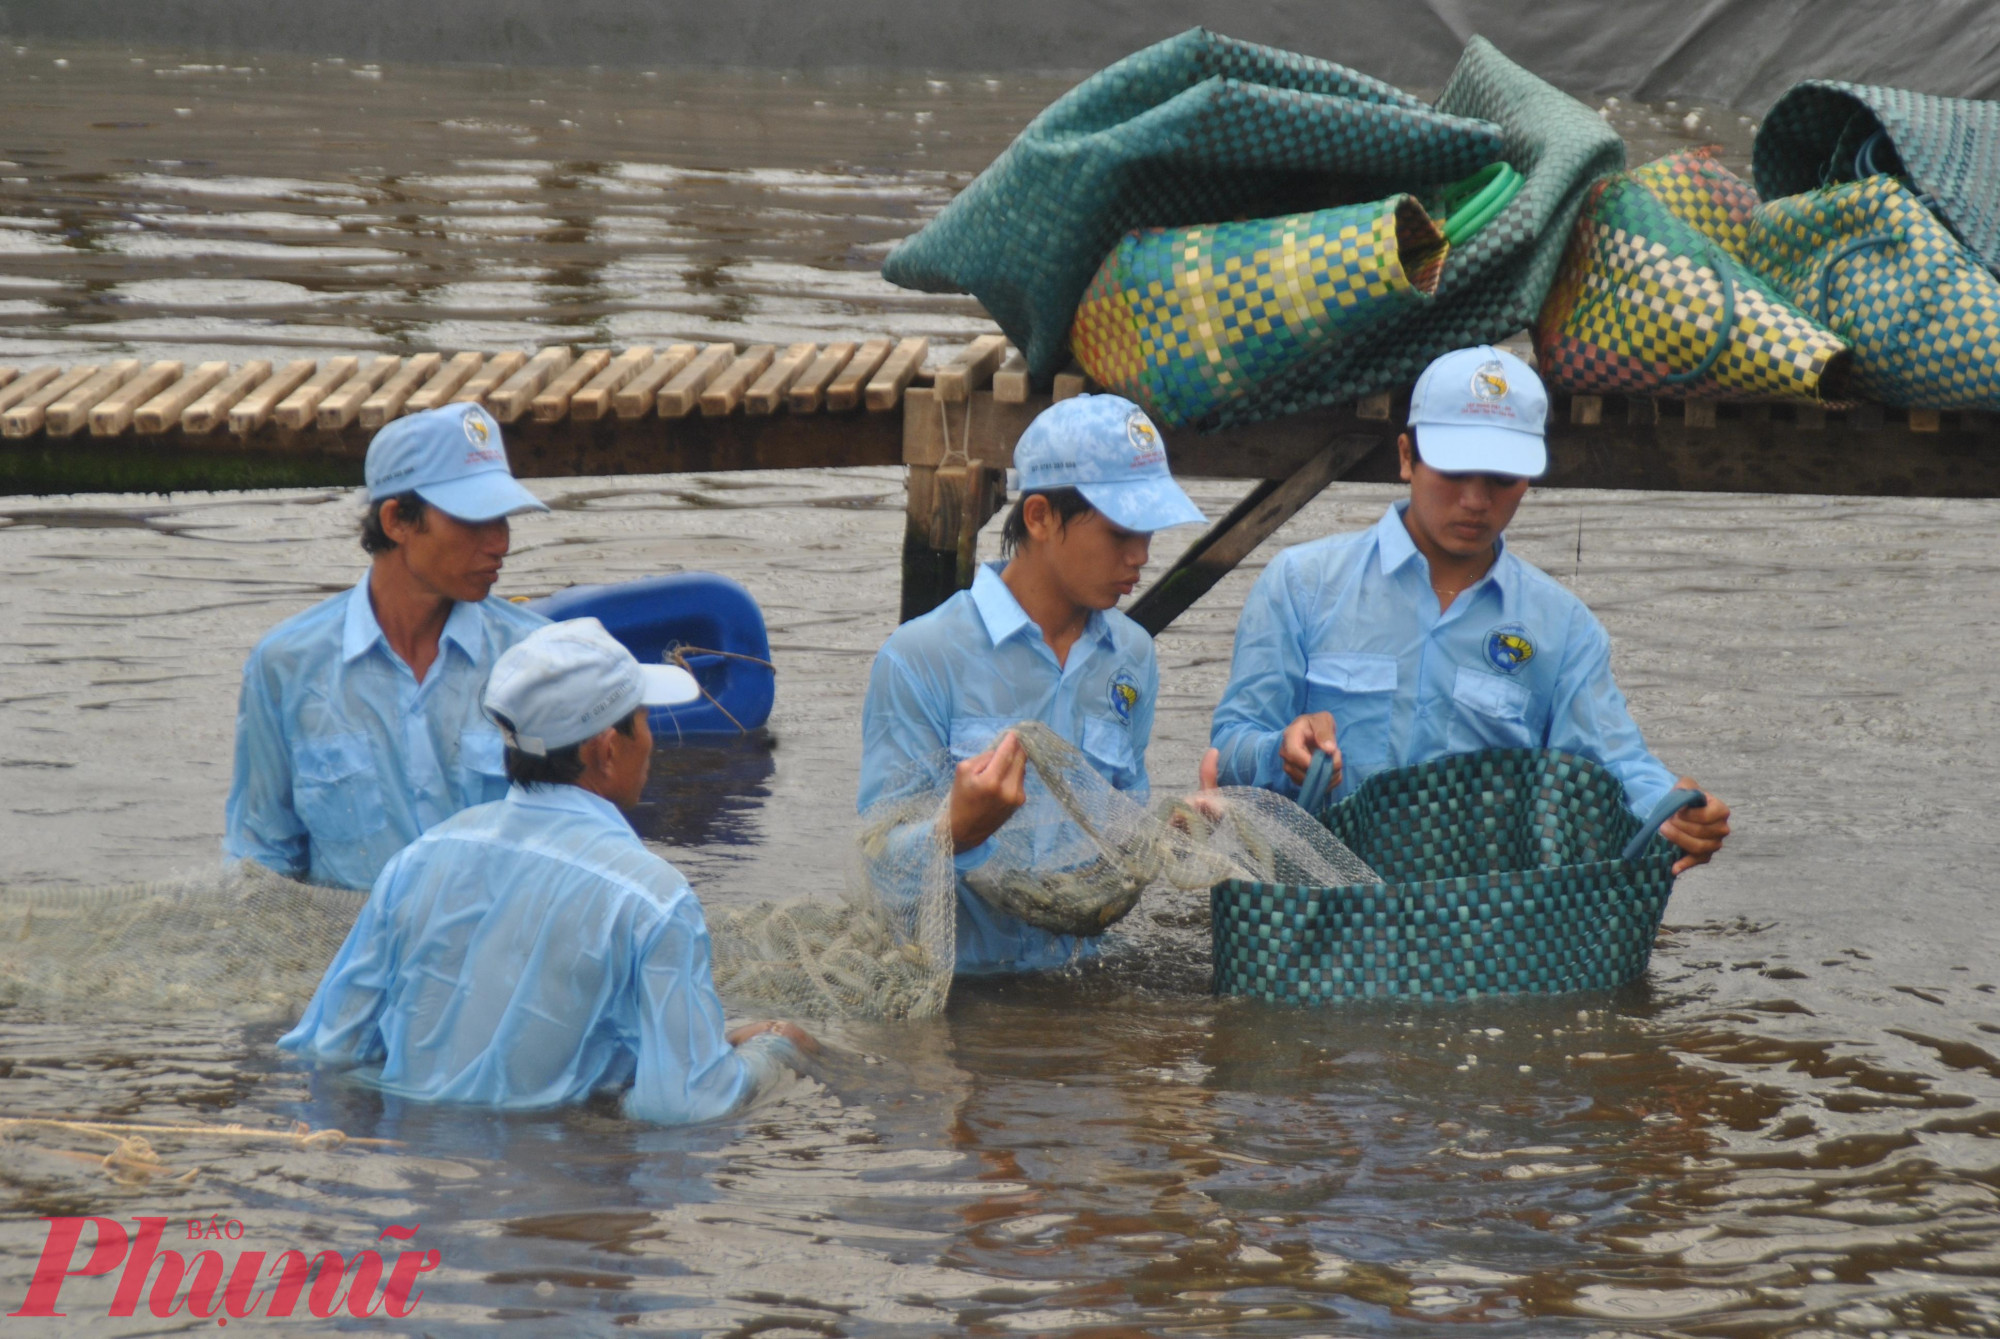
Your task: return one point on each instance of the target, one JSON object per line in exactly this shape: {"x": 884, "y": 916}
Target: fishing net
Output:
{"x": 1073, "y": 860}
{"x": 245, "y": 942}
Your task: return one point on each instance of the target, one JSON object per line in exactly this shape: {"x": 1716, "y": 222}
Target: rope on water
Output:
{"x": 132, "y": 1160}
{"x": 678, "y": 655}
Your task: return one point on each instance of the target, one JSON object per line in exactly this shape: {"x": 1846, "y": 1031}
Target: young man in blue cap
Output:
{"x": 532, "y": 952}
{"x": 1036, "y": 638}
{"x": 358, "y": 726}
{"x": 1424, "y": 636}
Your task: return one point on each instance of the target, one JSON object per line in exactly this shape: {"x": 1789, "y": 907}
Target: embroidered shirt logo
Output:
{"x": 1124, "y": 695}
{"x": 1508, "y": 648}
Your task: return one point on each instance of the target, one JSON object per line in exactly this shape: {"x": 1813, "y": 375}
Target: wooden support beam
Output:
{"x": 886, "y": 387}
{"x": 488, "y": 378}
{"x": 636, "y": 398}
{"x": 164, "y": 410}
{"x": 296, "y": 410}
{"x": 554, "y": 401}
{"x": 209, "y": 411}
{"x": 444, "y": 384}
{"x": 1925, "y": 420}
{"x": 510, "y": 400}
{"x": 723, "y": 394}
{"x": 386, "y": 404}
{"x": 1585, "y": 410}
{"x": 1238, "y": 534}
{"x": 256, "y": 408}
{"x": 768, "y": 393}
{"x": 847, "y": 390}
{"x": 1698, "y": 413}
{"x": 20, "y": 390}
{"x": 67, "y": 416}
{"x": 113, "y": 414}
{"x": 30, "y": 412}
{"x": 1375, "y": 408}
{"x": 1010, "y": 382}
{"x": 809, "y": 391}
{"x": 682, "y": 392}
{"x": 7, "y": 375}
{"x": 343, "y": 403}
{"x": 593, "y": 401}
{"x": 971, "y": 369}
{"x": 1071, "y": 381}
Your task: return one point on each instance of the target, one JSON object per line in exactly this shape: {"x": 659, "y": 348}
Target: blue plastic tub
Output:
{"x": 655, "y": 616}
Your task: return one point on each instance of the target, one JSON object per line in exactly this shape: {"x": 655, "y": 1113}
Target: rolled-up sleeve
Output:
{"x": 1590, "y": 718}
{"x": 687, "y": 1070}
{"x": 259, "y": 822}
{"x": 1266, "y": 692}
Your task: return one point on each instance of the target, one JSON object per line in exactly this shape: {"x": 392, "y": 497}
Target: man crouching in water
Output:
{"x": 1036, "y": 638}
{"x": 531, "y": 952}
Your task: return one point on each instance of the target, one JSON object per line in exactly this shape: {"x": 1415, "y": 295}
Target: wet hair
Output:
{"x": 1067, "y": 503}
{"x": 558, "y": 767}
{"x": 410, "y": 506}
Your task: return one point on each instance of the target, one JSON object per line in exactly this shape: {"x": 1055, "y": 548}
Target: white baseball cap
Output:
{"x": 451, "y": 457}
{"x": 1105, "y": 448}
{"x": 570, "y": 681}
{"x": 1481, "y": 411}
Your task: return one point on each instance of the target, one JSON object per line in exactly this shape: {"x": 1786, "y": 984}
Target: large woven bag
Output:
{"x": 1650, "y": 300}
{"x": 1504, "y": 871}
{"x": 1186, "y": 321}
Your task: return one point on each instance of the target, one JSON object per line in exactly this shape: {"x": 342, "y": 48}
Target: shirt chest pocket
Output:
{"x": 1109, "y": 745}
{"x": 482, "y": 757}
{"x": 335, "y": 788}
{"x": 1359, "y": 690}
{"x": 1490, "y": 712}
{"x": 973, "y": 735}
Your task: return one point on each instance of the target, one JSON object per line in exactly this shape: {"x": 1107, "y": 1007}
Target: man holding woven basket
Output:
{"x": 1424, "y": 636}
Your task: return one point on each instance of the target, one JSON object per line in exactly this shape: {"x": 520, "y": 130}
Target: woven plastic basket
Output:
{"x": 1507, "y": 871}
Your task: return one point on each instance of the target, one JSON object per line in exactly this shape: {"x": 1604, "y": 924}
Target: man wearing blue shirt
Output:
{"x": 1036, "y": 638}
{"x": 358, "y": 727}
{"x": 532, "y": 952}
{"x": 1424, "y": 636}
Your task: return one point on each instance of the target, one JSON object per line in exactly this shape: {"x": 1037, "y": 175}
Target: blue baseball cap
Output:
{"x": 1105, "y": 448}
{"x": 1481, "y": 411}
{"x": 571, "y": 681}
{"x": 451, "y": 457}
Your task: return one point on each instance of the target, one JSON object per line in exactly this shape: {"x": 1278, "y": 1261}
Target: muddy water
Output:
{"x": 1789, "y": 1130}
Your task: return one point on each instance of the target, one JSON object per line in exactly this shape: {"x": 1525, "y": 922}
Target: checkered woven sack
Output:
{"x": 1187, "y": 321}
{"x": 1650, "y": 300}
{"x": 1502, "y": 874}
{"x": 1884, "y": 273}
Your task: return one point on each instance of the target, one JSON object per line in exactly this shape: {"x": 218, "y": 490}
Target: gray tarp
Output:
{"x": 1740, "y": 53}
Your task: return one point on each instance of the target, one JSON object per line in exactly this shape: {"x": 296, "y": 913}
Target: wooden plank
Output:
{"x": 1238, "y": 534}
{"x": 845, "y": 391}
{"x": 113, "y": 414}
{"x": 27, "y": 414}
{"x": 296, "y": 410}
{"x": 208, "y": 411}
{"x": 388, "y": 400}
{"x": 594, "y": 400}
{"x": 885, "y": 388}
{"x": 343, "y": 404}
{"x": 809, "y": 391}
{"x": 1698, "y": 413}
{"x": 1925, "y": 420}
{"x": 483, "y": 382}
{"x": 1641, "y": 411}
{"x": 971, "y": 369}
{"x": 1072, "y": 380}
{"x": 1585, "y": 410}
{"x": 723, "y": 394}
{"x": 7, "y": 375}
{"x": 67, "y": 416}
{"x": 553, "y": 402}
{"x": 511, "y": 400}
{"x": 256, "y": 407}
{"x": 639, "y": 394}
{"x": 769, "y": 390}
{"x": 1010, "y": 382}
{"x": 17, "y": 391}
{"x": 683, "y": 390}
{"x": 164, "y": 410}
{"x": 1374, "y": 408}
{"x": 445, "y": 384}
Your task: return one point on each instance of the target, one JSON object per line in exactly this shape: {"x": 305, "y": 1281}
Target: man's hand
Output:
{"x": 986, "y": 790}
{"x": 791, "y": 1032}
{"x": 1309, "y": 734}
{"x": 1697, "y": 831}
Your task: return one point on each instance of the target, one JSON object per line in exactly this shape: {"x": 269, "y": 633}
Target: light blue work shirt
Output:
{"x": 528, "y": 953}
{"x": 1350, "y": 625}
{"x": 957, "y": 677}
{"x": 342, "y": 757}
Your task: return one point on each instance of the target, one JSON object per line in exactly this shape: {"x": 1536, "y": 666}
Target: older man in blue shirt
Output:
{"x": 1036, "y": 638}
{"x": 532, "y": 952}
{"x": 359, "y": 727}
{"x": 1424, "y": 636}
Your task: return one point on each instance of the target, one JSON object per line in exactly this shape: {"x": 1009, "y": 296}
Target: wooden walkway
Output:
{"x": 127, "y": 426}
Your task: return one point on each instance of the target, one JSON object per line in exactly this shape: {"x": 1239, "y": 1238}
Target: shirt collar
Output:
{"x": 1393, "y": 543}
{"x": 573, "y": 800}
{"x": 1003, "y": 615}
{"x": 361, "y": 631}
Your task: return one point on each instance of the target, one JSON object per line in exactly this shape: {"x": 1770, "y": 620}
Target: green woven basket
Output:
{"x": 1508, "y": 871}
